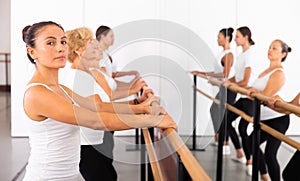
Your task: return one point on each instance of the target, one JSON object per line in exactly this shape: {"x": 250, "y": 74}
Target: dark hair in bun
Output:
{"x": 227, "y": 32}
{"x": 285, "y": 49}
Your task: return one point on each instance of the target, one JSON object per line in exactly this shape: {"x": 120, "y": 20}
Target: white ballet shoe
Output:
{"x": 226, "y": 150}
{"x": 249, "y": 170}
{"x": 242, "y": 160}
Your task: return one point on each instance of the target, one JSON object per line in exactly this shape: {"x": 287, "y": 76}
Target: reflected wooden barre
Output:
{"x": 287, "y": 106}
{"x": 4, "y": 53}
{"x": 264, "y": 127}
{"x": 193, "y": 167}
{"x": 4, "y": 61}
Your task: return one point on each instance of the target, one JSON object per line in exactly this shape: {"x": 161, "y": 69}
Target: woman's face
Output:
{"x": 275, "y": 51}
{"x": 50, "y": 47}
{"x": 109, "y": 38}
{"x": 221, "y": 39}
{"x": 91, "y": 54}
{"x": 240, "y": 39}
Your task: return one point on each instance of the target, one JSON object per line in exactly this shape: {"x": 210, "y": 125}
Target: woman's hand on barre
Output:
{"x": 271, "y": 102}
{"x": 134, "y": 72}
{"x": 157, "y": 110}
{"x": 166, "y": 122}
{"x": 228, "y": 83}
{"x": 195, "y": 72}
{"x": 137, "y": 86}
{"x": 146, "y": 94}
{"x": 250, "y": 91}
{"x": 150, "y": 100}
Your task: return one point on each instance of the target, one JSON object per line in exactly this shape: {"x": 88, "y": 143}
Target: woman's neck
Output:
{"x": 275, "y": 64}
{"x": 103, "y": 45}
{"x": 226, "y": 47}
{"x": 245, "y": 47}
{"x": 46, "y": 76}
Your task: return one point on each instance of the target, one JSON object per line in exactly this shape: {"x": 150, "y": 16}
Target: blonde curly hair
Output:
{"x": 77, "y": 39}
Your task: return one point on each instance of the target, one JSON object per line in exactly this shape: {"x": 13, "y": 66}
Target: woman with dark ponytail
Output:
{"x": 223, "y": 69}
{"x": 246, "y": 69}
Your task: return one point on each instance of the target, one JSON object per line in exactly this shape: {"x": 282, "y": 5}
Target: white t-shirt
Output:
{"x": 106, "y": 62}
{"x": 260, "y": 84}
{"x": 244, "y": 60}
{"x": 55, "y": 149}
{"x": 85, "y": 85}
{"x": 218, "y": 67}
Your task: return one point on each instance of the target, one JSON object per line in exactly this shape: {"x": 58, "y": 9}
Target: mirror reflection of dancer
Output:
{"x": 56, "y": 112}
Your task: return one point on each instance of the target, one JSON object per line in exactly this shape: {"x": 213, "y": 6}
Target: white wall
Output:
{"x": 202, "y": 18}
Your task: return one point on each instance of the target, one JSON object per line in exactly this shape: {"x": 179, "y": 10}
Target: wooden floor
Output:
{"x": 14, "y": 154}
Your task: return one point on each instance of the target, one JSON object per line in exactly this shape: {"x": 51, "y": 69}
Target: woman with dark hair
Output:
{"x": 246, "y": 71}
{"x": 105, "y": 36}
{"x": 223, "y": 70}
{"x": 269, "y": 83}
{"x": 56, "y": 112}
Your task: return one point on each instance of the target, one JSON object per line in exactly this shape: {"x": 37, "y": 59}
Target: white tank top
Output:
{"x": 85, "y": 85}
{"x": 218, "y": 67}
{"x": 260, "y": 84}
{"x": 109, "y": 65}
{"x": 110, "y": 81}
{"x": 55, "y": 149}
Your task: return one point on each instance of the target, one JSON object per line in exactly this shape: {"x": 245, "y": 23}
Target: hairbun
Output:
{"x": 289, "y": 49}
{"x": 230, "y": 30}
{"x": 24, "y": 32}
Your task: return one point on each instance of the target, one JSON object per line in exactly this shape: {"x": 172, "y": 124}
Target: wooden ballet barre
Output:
{"x": 4, "y": 53}
{"x": 155, "y": 166}
{"x": 264, "y": 127}
{"x": 287, "y": 106}
{"x": 189, "y": 161}
{"x": 193, "y": 167}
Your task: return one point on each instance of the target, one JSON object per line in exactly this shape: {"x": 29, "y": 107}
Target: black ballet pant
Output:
{"x": 219, "y": 116}
{"x": 245, "y": 105}
{"x": 96, "y": 162}
{"x": 269, "y": 157}
{"x": 290, "y": 172}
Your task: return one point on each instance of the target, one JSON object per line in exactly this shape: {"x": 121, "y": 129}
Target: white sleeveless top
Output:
{"x": 260, "y": 84}
{"x": 218, "y": 67}
{"x": 110, "y": 81}
{"x": 55, "y": 149}
{"x": 109, "y": 66}
{"x": 85, "y": 85}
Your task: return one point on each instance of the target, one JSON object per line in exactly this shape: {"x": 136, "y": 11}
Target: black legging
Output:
{"x": 245, "y": 105}
{"x": 269, "y": 159}
{"x": 219, "y": 115}
{"x": 96, "y": 160}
